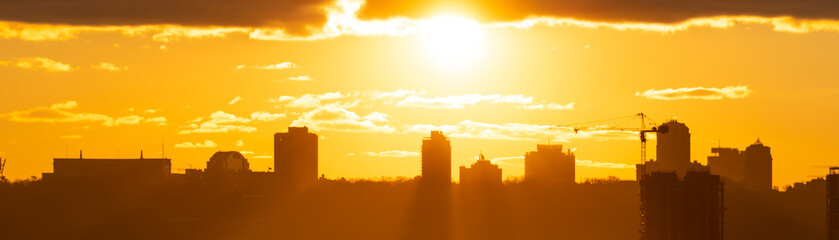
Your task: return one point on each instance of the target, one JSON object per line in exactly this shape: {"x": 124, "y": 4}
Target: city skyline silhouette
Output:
{"x": 406, "y": 119}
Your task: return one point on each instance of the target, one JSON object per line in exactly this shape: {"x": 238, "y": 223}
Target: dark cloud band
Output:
{"x": 645, "y": 11}
{"x": 295, "y": 16}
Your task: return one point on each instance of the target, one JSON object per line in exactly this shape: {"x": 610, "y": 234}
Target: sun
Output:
{"x": 452, "y": 42}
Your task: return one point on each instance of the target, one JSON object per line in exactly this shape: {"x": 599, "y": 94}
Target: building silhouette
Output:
{"x": 751, "y": 168}
{"x": 436, "y": 159}
{"x": 231, "y": 161}
{"x": 482, "y": 173}
{"x": 296, "y": 156}
{"x": 679, "y": 199}
{"x": 672, "y": 147}
{"x": 110, "y": 170}
{"x": 758, "y": 170}
{"x": 728, "y": 163}
{"x": 833, "y": 204}
{"x": 682, "y": 209}
{"x": 549, "y": 165}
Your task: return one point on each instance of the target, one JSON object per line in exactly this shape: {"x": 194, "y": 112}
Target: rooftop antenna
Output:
{"x": 162, "y": 147}
{"x": 141, "y": 154}
{"x": 80, "y": 154}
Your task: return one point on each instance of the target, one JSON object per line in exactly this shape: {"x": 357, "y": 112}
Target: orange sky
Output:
{"x": 371, "y": 87}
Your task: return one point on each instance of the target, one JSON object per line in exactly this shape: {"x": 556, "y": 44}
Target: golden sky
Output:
{"x": 373, "y": 78}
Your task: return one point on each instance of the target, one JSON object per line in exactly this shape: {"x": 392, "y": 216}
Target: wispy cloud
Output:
{"x": 235, "y": 100}
{"x": 414, "y": 99}
{"x": 128, "y": 120}
{"x": 222, "y": 122}
{"x": 340, "y": 119}
{"x": 278, "y": 66}
{"x": 301, "y": 78}
{"x": 218, "y": 122}
{"x": 311, "y": 101}
{"x": 390, "y": 154}
{"x": 266, "y": 116}
{"x": 161, "y": 121}
{"x": 518, "y": 132}
{"x": 205, "y": 144}
{"x": 63, "y": 113}
{"x": 43, "y": 63}
{"x": 104, "y": 66}
{"x": 697, "y": 93}
{"x": 590, "y": 163}
{"x": 71, "y": 137}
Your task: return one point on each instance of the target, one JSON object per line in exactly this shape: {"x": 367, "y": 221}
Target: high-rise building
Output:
{"x": 436, "y": 159}
{"x": 549, "y": 165}
{"x": 751, "y": 168}
{"x": 758, "y": 170}
{"x": 673, "y": 147}
{"x": 727, "y": 162}
{"x": 680, "y": 199}
{"x": 672, "y": 152}
{"x": 231, "y": 161}
{"x": 676, "y": 209}
{"x": 833, "y": 204}
{"x": 482, "y": 173}
{"x": 296, "y": 156}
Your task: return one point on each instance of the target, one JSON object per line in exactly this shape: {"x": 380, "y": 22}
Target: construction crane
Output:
{"x": 643, "y": 130}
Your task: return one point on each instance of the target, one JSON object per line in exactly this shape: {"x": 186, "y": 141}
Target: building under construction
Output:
{"x": 680, "y": 200}
{"x": 833, "y": 204}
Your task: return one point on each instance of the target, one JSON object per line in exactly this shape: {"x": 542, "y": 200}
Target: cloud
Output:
{"x": 518, "y": 132}
{"x": 292, "y": 16}
{"x": 301, "y": 78}
{"x": 235, "y": 100}
{"x": 218, "y": 122}
{"x": 61, "y": 113}
{"x": 222, "y": 122}
{"x": 71, "y": 137}
{"x": 340, "y": 119}
{"x": 697, "y": 93}
{"x": 161, "y": 121}
{"x": 391, "y": 154}
{"x": 279, "y": 66}
{"x": 57, "y": 113}
{"x": 614, "y": 11}
{"x": 311, "y": 101}
{"x": 240, "y": 143}
{"x": 589, "y": 163}
{"x": 266, "y": 116}
{"x": 418, "y": 99}
{"x": 104, "y": 66}
{"x": 307, "y": 20}
{"x": 205, "y": 144}
{"x": 129, "y": 120}
{"x": 42, "y": 63}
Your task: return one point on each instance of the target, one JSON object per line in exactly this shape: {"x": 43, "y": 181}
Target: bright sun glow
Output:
{"x": 453, "y": 42}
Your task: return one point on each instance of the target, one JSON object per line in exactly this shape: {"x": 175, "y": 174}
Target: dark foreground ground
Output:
{"x": 607, "y": 210}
